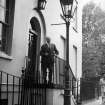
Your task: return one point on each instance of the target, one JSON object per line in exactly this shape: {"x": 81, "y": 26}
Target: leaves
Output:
{"x": 93, "y": 30}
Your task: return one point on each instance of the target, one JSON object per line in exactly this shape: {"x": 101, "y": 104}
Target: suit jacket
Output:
{"x": 53, "y": 49}
{"x": 50, "y": 50}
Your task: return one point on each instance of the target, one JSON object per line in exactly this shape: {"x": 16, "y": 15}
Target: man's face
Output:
{"x": 48, "y": 40}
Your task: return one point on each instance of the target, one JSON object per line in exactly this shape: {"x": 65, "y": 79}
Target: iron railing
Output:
{"x": 89, "y": 89}
{"x": 57, "y": 75}
{"x": 58, "y": 78}
{"x": 29, "y": 89}
{"x": 20, "y": 91}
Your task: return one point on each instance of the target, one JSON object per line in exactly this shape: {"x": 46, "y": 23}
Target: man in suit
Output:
{"x": 47, "y": 53}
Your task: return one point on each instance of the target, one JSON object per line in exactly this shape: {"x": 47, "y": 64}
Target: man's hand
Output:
{"x": 46, "y": 54}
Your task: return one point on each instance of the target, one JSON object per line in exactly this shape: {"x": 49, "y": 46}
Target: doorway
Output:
{"x": 33, "y": 48}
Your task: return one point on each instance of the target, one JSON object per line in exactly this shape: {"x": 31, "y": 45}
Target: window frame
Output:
{"x": 75, "y": 26}
{"x": 7, "y": 27}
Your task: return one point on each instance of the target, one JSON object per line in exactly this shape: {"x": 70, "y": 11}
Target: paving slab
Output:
{"x": 94, "y": 102}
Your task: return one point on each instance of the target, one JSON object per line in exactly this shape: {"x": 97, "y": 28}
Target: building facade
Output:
{"x": 15, "y": 31}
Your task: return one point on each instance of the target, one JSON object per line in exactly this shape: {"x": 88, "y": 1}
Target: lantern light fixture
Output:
{"x": 68, "y": 8}
{"x": 41, "y": 4}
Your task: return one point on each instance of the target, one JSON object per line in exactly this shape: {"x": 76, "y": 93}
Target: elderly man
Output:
{"x": 47, "y": 53}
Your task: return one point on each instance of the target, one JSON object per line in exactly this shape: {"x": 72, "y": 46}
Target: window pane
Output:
{"x": 2, "y": 10}
{"x": 2, "y": 3}
{"x": 0, "y": 31}
{"x": 0, "y": 36}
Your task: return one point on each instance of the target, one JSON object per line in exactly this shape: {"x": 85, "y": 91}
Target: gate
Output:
{"x": 89, "y": 88}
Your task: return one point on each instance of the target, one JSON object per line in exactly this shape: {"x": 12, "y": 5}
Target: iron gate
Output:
{"x": 89, "y": 88}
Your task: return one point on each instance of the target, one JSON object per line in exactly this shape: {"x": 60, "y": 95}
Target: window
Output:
{"x": 75, "y": 60}
{"x": 75, "y": 19}
{"x": 63, "y": 44}
{"x": 75, "y": 8}
{"x": 6, "y": 24}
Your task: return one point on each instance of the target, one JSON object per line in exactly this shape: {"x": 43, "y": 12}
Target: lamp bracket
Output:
{"x": 63, "y": 17}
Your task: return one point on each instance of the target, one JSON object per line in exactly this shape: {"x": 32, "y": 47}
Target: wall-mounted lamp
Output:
{"x": 41, "y": 4}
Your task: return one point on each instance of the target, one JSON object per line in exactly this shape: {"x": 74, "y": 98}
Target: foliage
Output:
{"x": 93, "y": 31}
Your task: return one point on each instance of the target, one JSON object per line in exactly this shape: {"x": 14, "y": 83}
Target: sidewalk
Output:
{"x": 93, "y": 102}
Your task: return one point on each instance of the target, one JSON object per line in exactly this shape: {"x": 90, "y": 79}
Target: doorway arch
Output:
{"x": 34, "y": 47}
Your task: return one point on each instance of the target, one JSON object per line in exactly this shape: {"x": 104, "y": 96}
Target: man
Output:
{"x": 102, "y": 83}
{"x": 47, "y": 53}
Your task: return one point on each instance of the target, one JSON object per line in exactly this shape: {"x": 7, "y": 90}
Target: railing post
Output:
{"x": 80, "y": 90}
{"x": 72, "y": 87}
{"x": 0, "y": 83}
{"x": 7, "y": 86}
{"x": 19, "y": 92}
{"x": 79, "y": 95}
{"x": 77, "y": 91}
{"x": 13, "y": 91}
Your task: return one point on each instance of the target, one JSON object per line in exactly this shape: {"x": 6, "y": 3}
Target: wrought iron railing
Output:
{"x": 58, "y": 78}
{"x": 90, "y": 89}
{"x": 29, "y": 89}
{"x": 16, "y": 90}
{"x": 58, "y": 74}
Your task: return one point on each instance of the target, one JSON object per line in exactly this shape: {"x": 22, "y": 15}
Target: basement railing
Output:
{"x": 29, "y": 89}
{"x": 16, "y": 90}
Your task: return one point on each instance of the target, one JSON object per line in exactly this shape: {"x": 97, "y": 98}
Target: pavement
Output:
{"x": 94, "y": 102}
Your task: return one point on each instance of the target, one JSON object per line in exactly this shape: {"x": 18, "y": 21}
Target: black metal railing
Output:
{"x": 29, "y": 88}
{"x": 90, "y": 89}
{"x": 9, "y": 85}
{"x": 59, "y": 78}
{"x": 76, "y": 90}
{"x": 16, "y": 90}
{"x": 58, "y": 74}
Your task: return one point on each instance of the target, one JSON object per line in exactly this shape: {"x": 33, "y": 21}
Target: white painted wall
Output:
{"x": 76, "y": 40}
{"x": 55, "y": 97}
{"x": 23, "y": 11}
{"x": 52, "y": 16}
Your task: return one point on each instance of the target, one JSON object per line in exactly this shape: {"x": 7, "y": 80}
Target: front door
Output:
{"x": 34, "y": 48}
{"x": 32, "y": 55}
{"x": 32, "y": 92}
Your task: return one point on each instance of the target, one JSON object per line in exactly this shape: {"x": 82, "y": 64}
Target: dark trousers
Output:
{"x": 44, "y": 68}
